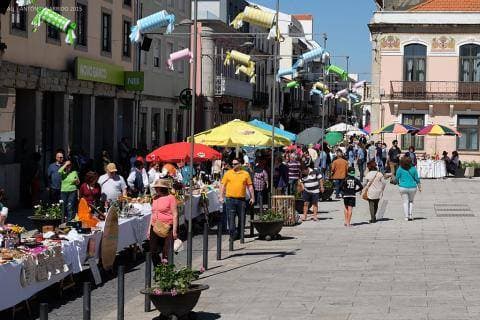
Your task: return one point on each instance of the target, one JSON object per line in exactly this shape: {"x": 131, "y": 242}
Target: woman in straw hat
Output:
{"x": 164, "y": 222}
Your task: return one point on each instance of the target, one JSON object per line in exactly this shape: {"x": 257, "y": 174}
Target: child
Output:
{"x": 350, "y": 187}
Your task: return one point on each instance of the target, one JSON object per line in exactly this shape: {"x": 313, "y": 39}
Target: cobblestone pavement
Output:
{"x": 425, "y": 269}
{"x": 395, "y": 269}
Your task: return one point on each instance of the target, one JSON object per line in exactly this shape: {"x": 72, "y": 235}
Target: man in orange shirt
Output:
{"x": 234, "y": 186}
{"x": 339, "y": 172}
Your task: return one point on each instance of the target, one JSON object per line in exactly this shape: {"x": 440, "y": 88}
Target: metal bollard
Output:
{"x": 121, "y": 293}
{"x": 230, "y": 243}
{"x": 205, "y": 244}
{"x": 219, "y": 241}
{"x": 252, "y": 217}
{"x": 87, "y": 305}
{"x": 170, "y": 250}
{"x": 148, "y": 279}
{"x": 43, "y": 311}
{"x": 242, "y": 227}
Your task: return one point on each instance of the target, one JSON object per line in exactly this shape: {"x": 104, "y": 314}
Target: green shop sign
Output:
{"x": 134, "y": 81}
{"x": 91, "y": 70}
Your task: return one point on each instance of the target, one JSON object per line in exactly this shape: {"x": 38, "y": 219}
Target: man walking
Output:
{"x": 54, "y": 180}
{"x": 234, "y": 187}
{"x": 394, "y": 158}
{"x": 112, "y": 184}
{"x": 311, "y": 184}
{"x": 135, "y": 180}
{"x": 339, "y": 172}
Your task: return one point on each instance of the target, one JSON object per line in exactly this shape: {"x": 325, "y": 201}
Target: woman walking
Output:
{"x": 374, "y": 188}
{"x": 408, "y": 182}
{"x": 164, "y": 223}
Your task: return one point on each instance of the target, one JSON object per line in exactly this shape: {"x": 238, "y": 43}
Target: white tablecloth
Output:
{"x": 431, "y": 168}
{"x": 213, "y": 205}
{"x": 131, "y": 231}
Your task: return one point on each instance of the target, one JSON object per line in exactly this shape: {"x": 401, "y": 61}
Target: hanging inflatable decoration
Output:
{"x": 293, "y": 84}
{"x": 23, "y": 3}
{"x": 154, "y": 21}
{"x": 258, "y": 17}
{"x": 57, "y": 21}
{"x": 355, "y": 97}
{"x": 309, "y": 56}
{"x": 329, "y": 96}
{"x": 342, "y": 93}
{"x": 339, "y": 71}
{"x": 358, "y": 85}
{"x": 243, "y": 62}
{"x": 322, "y": 87}
{"x": 179, "y": 55}
{"x": 286, "y": 72}
{"x": 343, "y": 99}
{"x": 317, "y": 92}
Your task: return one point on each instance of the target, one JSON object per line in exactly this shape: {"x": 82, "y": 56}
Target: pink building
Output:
{"x": 426, "y": 69}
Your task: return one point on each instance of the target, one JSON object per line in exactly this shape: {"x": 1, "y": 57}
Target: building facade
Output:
{"x": 56, "y": 95}
{"x": 425, "y": 70}
{"x": 163, "y": 119}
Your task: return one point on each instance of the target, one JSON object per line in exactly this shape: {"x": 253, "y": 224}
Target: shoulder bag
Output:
{"x": 365, "y": 192}
{"x": 161, "y": 229}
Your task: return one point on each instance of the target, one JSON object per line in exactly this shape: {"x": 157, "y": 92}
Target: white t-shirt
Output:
{"x": 112, "y": 187}
{"x": 375, "y": 190}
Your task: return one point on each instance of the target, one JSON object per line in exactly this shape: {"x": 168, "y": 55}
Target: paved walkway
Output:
{"x": 425, "y": 269}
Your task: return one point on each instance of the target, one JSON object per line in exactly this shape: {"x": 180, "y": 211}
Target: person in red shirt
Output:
{"x": 90, "y": 189}
{"x": 164, "y": 210}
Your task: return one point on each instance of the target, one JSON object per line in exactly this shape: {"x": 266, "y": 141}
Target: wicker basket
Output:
{"x": 286, "y": 206}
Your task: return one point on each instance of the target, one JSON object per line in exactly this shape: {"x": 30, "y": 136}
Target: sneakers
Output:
{"x": 407, "y": 219}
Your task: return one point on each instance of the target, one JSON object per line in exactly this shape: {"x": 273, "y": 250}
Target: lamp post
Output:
{"x": 274, "y": 101}
{"x": 325, "y": 38}
{"x": 349, "y": 106}
{"x": 192, "y": 131}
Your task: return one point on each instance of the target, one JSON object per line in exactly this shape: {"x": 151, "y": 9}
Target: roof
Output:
{"x": 448, "y": 5}
{"x": 303, "y": 16}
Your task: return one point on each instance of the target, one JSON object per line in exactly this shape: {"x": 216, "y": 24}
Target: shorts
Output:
{"x": 349, "y": 201}
{"x": 310, "y": 197}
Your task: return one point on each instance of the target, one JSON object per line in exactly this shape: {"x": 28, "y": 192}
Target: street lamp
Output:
{"x": 274, "y": 101}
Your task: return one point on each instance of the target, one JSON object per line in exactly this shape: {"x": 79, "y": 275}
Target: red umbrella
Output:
{"x": 176, "y": 152}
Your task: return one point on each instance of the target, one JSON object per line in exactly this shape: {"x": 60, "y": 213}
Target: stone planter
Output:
{"x": 179, "y": 306}
{"x": 40, "y": 221}
{"x": 268, "y": 230}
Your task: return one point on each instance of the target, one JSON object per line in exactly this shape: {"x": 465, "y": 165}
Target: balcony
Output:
{"x": 225, "y": 86}
{"x": 435, "y": 90}
{"x": 260, "y": 99}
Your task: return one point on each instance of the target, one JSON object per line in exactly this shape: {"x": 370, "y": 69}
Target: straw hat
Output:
{"x": 162, "y": 183}
{"x": 111, "y": 167}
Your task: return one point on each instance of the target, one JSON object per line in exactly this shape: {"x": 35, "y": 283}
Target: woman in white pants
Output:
{"x": 408, "y": 182}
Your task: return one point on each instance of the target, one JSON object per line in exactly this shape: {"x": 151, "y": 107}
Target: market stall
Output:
{"x": 432, "y": 169}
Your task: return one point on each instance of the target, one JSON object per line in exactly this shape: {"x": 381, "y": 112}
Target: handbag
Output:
{"x": 161, "y": 229}
{"x": 365, "y": 192}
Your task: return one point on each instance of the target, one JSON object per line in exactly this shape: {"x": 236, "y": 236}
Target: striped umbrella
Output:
{"x": 438, "y": 130}
{"x": 397, "y": 128}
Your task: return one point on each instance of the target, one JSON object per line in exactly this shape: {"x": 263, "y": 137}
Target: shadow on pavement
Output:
{"x": 277, "y": 254}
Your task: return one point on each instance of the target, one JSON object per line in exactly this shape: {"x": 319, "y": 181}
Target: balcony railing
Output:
{"x": 260, "y": 99}
{"x": 225, "y": 86}
{"x": 435, "y": 90}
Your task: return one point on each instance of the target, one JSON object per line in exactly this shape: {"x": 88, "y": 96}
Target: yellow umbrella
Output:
{"x": 238, "y": 133}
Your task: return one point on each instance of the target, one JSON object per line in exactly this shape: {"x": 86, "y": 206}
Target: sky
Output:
{"x": 344, "y": 21}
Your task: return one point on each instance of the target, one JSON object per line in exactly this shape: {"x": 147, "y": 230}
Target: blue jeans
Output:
{"x": 235, "y": 207}
{"x": 292, "y": 186}
{"x": 70, "y": 203}
{"x": 338, "y": 184}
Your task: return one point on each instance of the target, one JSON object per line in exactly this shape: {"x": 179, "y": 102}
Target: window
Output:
{"x": 81, "y": 17}
{"x": 127, "y": 3}
{"x": 470, "y": 63}
{"x": 52, "y": 32}
{"x": 181, "y": 5}
{"x": 169, "y": 50}
{"x": 415, "y": 62}
{"x": 18, "y": 17}
{"x": 157, "y": 59}
{"x": 418, "y": 121}
{"x": 106, "y": 32}
{"x": 126, "y": 46}
{"x": 468, "y": 126}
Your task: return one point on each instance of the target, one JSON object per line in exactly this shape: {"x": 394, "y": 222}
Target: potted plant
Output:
{"x": 174, "y": 295}
{"x": 47, "y": 215}
{"x": 269, "y": 225}
{"x": 327, "y": 193}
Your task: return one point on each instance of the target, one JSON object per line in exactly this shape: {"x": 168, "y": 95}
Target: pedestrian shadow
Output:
{"x": 384, "y": 220}
{"x": 196, "y": 315}
{"x": 356, "y": 224}
{"x": 420, "y": 218}
{"x": 277, "y": 254}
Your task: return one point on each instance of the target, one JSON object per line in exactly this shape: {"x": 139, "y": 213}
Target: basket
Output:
{"x": 286, "y": 206}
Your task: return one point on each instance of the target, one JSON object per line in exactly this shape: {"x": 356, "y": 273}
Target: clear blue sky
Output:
{"x": 345, "y": 22}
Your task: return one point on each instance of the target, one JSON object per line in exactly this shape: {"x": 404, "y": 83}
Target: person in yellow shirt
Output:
{"x": 234, "y": 187}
